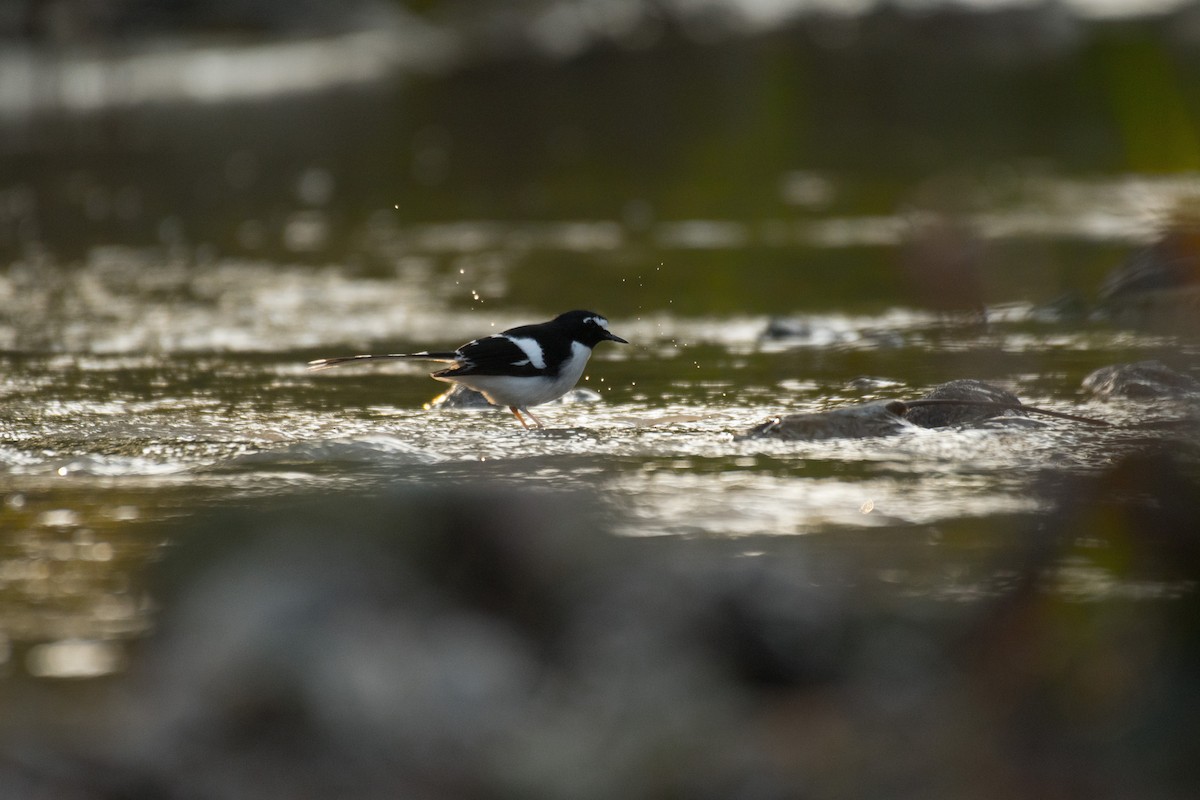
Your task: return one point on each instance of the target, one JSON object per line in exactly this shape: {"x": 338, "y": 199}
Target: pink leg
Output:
{"x": 517, "y": 413}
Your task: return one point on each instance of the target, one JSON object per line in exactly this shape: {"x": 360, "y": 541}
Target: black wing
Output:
{"x": 492, "y": 355}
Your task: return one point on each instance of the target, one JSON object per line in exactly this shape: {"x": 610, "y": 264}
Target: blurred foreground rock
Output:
{"x": 481, "y": 643}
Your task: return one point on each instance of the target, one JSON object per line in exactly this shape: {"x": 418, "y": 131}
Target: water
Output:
{"x": 222, "y": 575}
{"x": 768, "y": 218}
{"x": 139, "y": 393}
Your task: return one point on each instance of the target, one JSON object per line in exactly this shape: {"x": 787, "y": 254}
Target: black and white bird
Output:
{"x": 520, "y": 367}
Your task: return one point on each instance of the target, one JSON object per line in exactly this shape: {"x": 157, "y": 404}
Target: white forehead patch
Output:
{"x": 601, "y": 321}
{"x": 532, "y": 351}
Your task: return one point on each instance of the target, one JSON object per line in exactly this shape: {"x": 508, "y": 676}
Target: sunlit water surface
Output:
{"x": 140, "y": 388}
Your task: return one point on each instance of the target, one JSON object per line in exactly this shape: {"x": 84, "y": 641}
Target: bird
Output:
{"x": 521, "y": 367}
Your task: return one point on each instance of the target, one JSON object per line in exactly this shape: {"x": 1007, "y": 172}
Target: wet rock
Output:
{"x": 1171, "y": 262}
{"x": 787, "y": 328}
{"x": 961, "y": 402}
{"x": 867, "y": 383}
{"x": 976, "y": 401}
{"x": 1141, "y": 379}
{"x": 803, "y": 331}
{"x": 882, "y": 418}
{"x": 459, "y": 398}
{"x": 1159, "y": 285}
{"x": 462, "y": 398}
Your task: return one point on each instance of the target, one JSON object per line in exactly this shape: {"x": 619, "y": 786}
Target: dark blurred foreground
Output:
{"x": 484, "y": 643}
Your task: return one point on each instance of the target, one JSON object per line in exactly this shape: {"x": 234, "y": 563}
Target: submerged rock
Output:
{"x": 961, "y": 402}
{"x": 882, "y": 418}
{"x": 462, "y": 398}
{"x": 1141, "y": 379}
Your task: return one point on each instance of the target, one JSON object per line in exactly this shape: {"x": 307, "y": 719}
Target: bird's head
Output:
{"x": 587, "y": 327}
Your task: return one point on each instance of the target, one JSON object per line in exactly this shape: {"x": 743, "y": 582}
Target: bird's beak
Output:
{"x": 612, "y": 337}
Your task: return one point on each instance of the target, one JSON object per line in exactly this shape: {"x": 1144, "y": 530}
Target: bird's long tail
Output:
{"x": 328, "y": 363}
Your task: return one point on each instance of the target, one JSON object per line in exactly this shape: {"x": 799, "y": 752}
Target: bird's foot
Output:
{"x": 517, "y": 413}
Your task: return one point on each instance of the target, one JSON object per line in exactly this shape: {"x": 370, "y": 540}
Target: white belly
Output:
{"x": 503, "y": 390}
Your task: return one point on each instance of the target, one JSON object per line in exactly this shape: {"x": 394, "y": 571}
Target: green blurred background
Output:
{"x": 302, "y": 132}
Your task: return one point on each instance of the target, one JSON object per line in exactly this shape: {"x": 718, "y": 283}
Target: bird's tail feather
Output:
{"x": 328, "y": 363}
